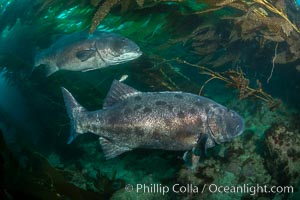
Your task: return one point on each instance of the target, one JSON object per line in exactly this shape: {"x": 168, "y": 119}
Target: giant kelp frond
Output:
{"x": 104, "y": 8}
{"x": 236, "y": 79}
{"x": 101, "y": 13}
{"x": 173, "y": 79}
{"x": 280, "y": 13}
{"x": 263, "y": 21}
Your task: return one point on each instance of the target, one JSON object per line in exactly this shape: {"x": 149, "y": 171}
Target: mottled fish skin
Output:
{"x": 151, "y": 120}
{"x": 84, "y": 52}
{"x": 156, "y": 120}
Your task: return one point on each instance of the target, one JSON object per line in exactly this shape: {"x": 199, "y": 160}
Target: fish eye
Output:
{"x": 232, "y": 114}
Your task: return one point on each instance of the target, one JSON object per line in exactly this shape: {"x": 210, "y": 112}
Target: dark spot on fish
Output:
{"x": 120, "y": 130}
{"x": 183, "y": 134}
{"x": 127, "y": 111}
{"x": 214, "y": 106}
{"x": 137, "y": 98}
{"x": 180, "y": 114}
{"x": 147, "y": 110}
{"x": 138, "y": 131}
{"x": 114, "y": 119}
{"x": 198, "y": 103}
{"x": 94, "y": 129}
{"x": 170, "y": 108}
{"x": 137, "y": 107}
{"x": 207, "y": 110}
{"x": 160, "y": 103}
{"x": 91, "y": 128}
{"x": 168, "y": 122}
{"x": 193, "y": 111}
{"x": 156, "y": 134}
{"x": 178, "y": 96}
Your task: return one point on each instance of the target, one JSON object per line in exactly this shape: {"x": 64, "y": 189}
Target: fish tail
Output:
{"x": 38, "y": 59}
{"x": 75, "y": 111}
{"x": 37, "y": 62}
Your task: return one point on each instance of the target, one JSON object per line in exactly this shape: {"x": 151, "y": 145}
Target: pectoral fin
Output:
{"x": 192, "y": 157}
{"x": 202, "y": 144}
{"x": 110, "y": 149}
{"x": 209, "y": 143}
{"x": 84, "y": 55}
{"x": 191, "y": 160}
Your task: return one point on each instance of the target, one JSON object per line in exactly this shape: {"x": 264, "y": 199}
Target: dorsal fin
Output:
{"x": 118, "y": 92}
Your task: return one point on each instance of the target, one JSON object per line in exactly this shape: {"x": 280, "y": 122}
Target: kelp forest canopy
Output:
{"x": 219, "y": 38}
{"x": 263, "y": 21}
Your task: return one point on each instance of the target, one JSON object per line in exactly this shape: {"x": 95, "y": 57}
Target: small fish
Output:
{"x": 123, "y": 77}
{"x": 83, "y": 52}
{"x": 156, "y": 120}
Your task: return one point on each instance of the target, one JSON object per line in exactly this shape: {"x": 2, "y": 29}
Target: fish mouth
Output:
{"x": 239, "y": 129}
{"x": 139, "y": 52}
{"x": 132, "y": 55}
{"x": 124, "y": 58}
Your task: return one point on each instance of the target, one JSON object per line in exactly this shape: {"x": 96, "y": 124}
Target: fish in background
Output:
{"x": 132, "y": 119}
{"x": 82, "y": 51}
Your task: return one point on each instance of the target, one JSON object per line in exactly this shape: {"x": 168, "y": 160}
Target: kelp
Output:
{"x": 104, "y": 8}
{"x": 101, "y": 13}
{"x": 261, "y": 21}
{"x": 236, "y": 79}
{"x": 232, "y": 78}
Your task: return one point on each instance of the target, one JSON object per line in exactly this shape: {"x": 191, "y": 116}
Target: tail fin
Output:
{"x": 37, "y": 62}
{"x": 38, "y": 59}
{"x": 74, "y": 110}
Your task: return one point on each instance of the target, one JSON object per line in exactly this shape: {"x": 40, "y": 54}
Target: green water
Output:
{"x": 182, "y": 49}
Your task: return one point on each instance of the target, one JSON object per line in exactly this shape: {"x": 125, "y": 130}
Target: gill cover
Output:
{"x": 215, "y": 124}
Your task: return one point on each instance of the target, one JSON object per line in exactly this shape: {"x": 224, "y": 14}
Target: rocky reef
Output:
{"x": 282, "y": 154}
{"x": 234, "y": 164}
{"x": 271, "y": 159}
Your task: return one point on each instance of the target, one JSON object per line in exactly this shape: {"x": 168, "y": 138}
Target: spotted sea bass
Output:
{"x": 156, "y": 120}
{"x": 82, "y": 51}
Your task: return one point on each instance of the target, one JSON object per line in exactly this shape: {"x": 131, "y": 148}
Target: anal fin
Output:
{"x": 110, "y": 149}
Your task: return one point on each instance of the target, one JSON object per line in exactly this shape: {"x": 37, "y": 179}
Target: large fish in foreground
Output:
{"x": 83, "y": 52}
{"x": 156, "y": 120}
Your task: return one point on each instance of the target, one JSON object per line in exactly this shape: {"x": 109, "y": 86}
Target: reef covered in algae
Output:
{"x": 242, "y": 53}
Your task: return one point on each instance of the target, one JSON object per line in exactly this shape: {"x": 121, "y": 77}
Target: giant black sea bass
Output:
{"x": 82, "y": 51}
{"x": 155, "y": 120}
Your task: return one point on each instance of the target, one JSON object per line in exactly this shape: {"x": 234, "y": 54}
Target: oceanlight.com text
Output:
{"x": 211, "y": 188}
